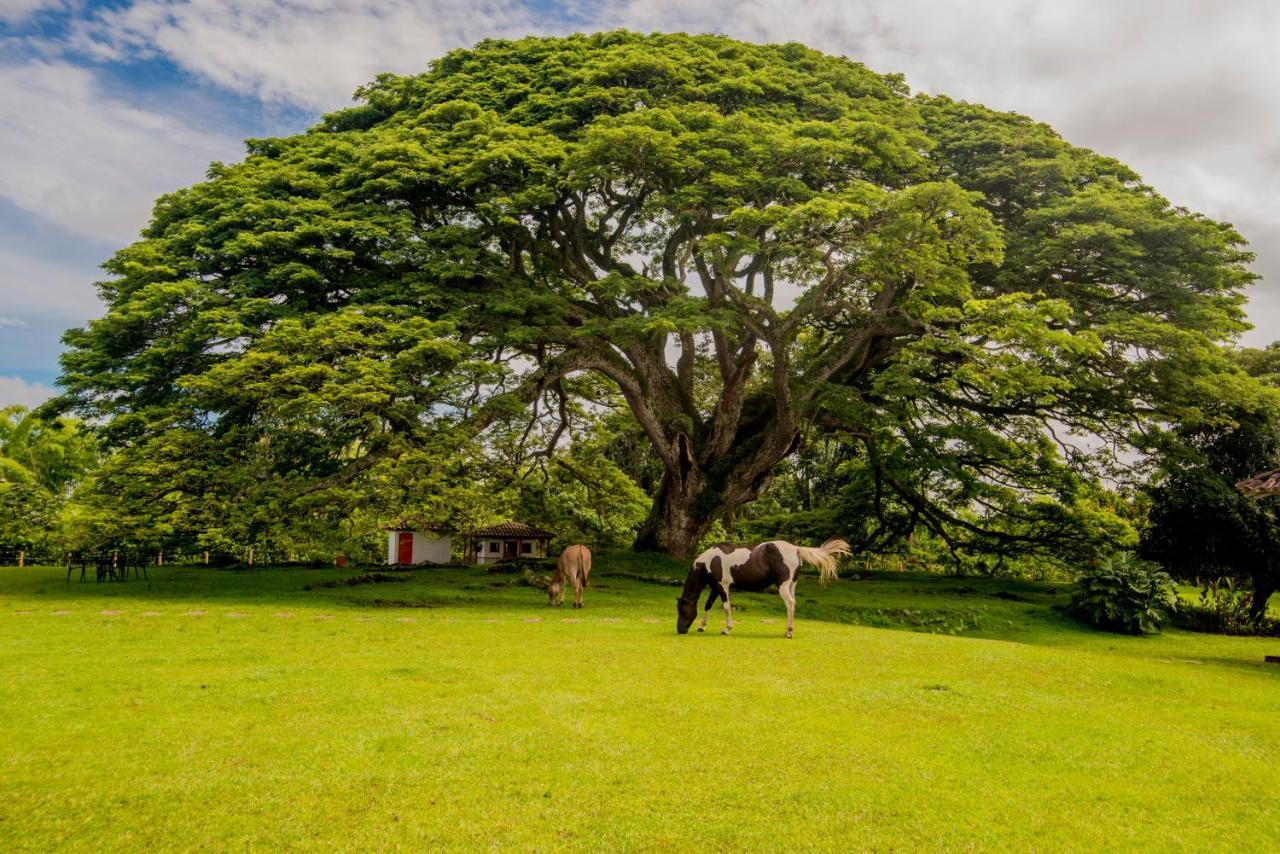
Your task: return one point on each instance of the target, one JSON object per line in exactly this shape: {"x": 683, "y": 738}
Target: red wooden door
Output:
{"x": 404, "y": 548}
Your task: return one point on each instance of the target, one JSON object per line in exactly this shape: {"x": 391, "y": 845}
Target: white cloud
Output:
{"x": 311, "y": 53}
{"x": 16, "y": 11}
{"x": 17, "y": 390}
{"x": 90, "y": 163}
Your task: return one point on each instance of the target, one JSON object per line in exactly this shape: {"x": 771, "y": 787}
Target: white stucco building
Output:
{"x": 409, "y": 546}
{"x": 507, "y": 541}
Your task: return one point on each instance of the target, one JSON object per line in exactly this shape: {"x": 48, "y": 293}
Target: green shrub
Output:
{"x": 1124, "y": 594}
{"x": 1226, "y": 608}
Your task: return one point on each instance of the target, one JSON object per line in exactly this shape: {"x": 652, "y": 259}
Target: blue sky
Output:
{"x": 104, "y": 106}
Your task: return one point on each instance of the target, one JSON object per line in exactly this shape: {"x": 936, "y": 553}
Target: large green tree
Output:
{"x": 744, "y": 241}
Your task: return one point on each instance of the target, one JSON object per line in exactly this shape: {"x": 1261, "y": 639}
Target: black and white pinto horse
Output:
{"x": 726, "y": 567}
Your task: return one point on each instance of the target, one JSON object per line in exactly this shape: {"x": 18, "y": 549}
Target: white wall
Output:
{"x": 431, "y": 549}
{"x": 485, "y": 553}
{"x": 426, "y": 548}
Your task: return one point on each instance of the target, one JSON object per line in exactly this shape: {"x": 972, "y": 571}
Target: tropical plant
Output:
{"x": 1124, "y": 594}
{"x": 42, "y": 459}
{"x": 1225, "y": 607}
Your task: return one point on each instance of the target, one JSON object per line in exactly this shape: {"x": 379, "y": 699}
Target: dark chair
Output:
{"x": 138, "y": 563}
{"x": 72, "y": 560}
{"x": 108, "y": 567}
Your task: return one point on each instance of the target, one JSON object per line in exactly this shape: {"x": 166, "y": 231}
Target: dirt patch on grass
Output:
{"x": 356, "y": 580}
{"x": 521, "y": 566}
{"x": 960, "y": 590}
{"x": 528, "y": 577}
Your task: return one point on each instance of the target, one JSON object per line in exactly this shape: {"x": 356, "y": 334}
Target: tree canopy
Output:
{"x": 740, "y": 246}
{"x": 41, "y": 461}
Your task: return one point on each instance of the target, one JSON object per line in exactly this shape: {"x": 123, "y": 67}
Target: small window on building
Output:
{"x": 494, "y": 548}
{"x": 526, "y": 548}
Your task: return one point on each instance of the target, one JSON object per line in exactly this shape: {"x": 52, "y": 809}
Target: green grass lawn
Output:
{"x": 219, "y": 709}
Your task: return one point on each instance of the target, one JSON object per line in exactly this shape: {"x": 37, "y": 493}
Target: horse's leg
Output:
{"x": 787, "y": 590}
{"x": 577, "y": 590}
{"x": 706, "y": 611}
{"x": 728, "y": 613}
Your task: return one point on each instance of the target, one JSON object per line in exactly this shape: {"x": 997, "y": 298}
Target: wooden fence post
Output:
{"x": 250, "y": 555}
{"x": 206, "y": 557}
{"x": 160, "y": 558}
{"x": 22, "y": 559}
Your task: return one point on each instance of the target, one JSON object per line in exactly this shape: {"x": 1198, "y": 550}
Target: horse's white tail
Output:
{"x": 824, "y": 557}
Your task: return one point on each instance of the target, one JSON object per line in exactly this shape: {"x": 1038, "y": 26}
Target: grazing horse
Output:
{"x": 715, "y": 561}
{"x": 573, "y": 568}
{"x": 777, "y": 562}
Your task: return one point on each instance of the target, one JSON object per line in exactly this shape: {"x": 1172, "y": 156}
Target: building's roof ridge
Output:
{"x": 1261, "y": 485}
{"x": 511, "y": 529}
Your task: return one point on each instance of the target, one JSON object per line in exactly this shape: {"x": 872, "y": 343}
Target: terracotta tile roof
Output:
{"x": 1261, "y": 485}
{"x": 512, "y": 529}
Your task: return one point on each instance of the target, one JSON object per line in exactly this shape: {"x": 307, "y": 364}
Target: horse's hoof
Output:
{"x": 788, "y": 635}
{"x": 725, "y": 632}
{"x": 701, "y": 629}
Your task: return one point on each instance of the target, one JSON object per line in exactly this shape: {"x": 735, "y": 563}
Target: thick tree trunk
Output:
{"x": 673, "y": 525}
{"x": 684, "y": 510}
{"x": 1262, "y": 590}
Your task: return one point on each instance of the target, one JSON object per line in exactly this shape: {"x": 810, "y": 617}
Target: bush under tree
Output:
{"x": 1124, "y": 594}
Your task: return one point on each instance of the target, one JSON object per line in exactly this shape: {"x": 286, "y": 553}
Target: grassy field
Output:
{"x": 220, "y": 709}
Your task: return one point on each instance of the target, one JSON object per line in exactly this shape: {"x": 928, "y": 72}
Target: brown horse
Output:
{"x": 573, "y": 568}
{"x": 729, "y": 566}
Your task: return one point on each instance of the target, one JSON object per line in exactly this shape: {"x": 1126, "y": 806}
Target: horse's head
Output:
{"x": 686, "y": 613}
{"x": 553, "y": 590}
{"x": 687, "y": 602}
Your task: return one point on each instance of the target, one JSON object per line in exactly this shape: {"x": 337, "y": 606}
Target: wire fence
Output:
{"x": 249, "y": 556}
